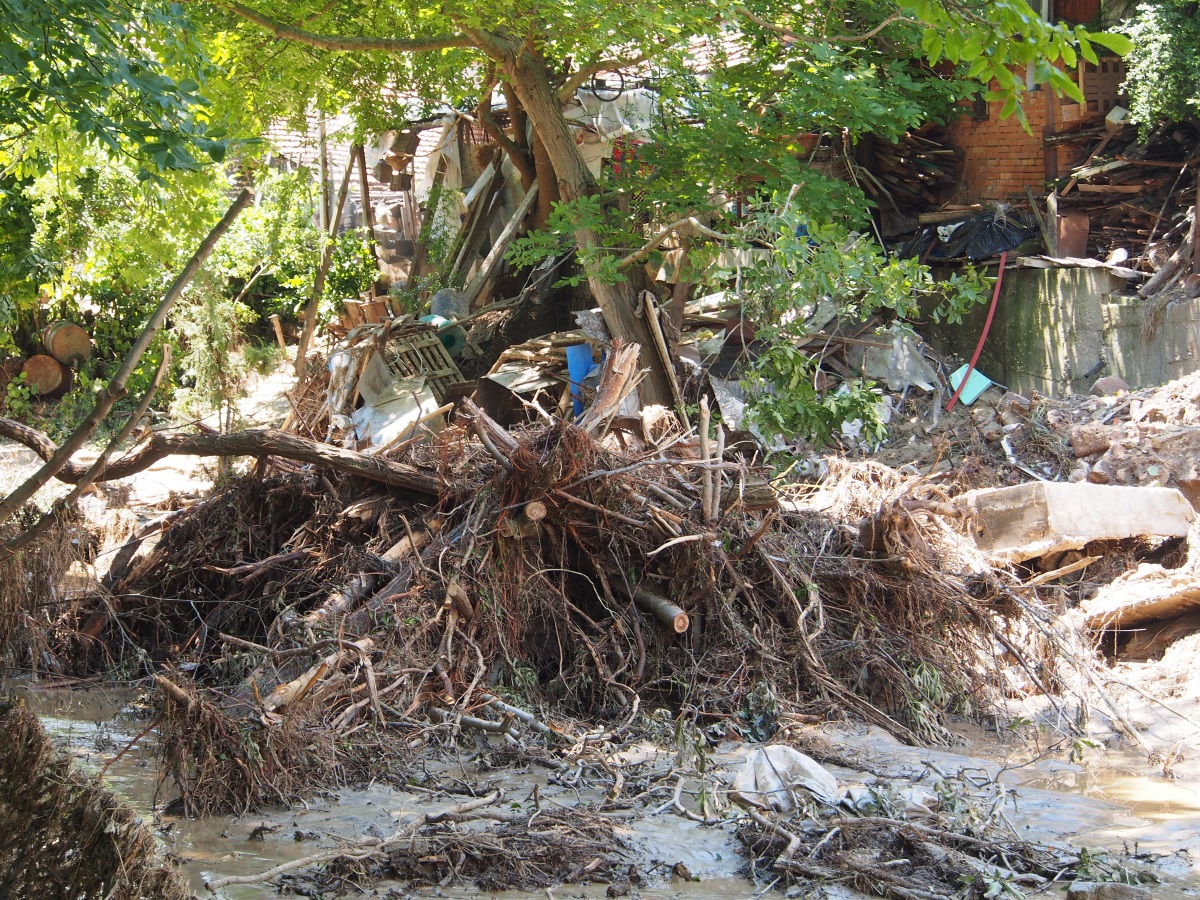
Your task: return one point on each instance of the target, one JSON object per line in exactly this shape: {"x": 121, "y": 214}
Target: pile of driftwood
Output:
{"x": 546, "y": 582}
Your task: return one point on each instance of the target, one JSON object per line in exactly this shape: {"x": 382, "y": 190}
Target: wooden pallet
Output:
{"x": 418, "y": 352}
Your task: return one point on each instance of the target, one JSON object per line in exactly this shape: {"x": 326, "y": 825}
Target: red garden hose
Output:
{"x": 983, "y": 337}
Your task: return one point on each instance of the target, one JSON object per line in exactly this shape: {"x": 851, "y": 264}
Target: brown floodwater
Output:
{"x": 1112, "y": 800}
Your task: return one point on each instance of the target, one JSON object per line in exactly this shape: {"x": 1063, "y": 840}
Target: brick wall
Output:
{"x": 999, "y": 158}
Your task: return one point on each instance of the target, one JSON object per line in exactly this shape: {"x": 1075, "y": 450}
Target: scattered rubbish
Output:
{"x": 911, "y": 801}
{"x": 579, "y": 367}
{"x": 772, "y": 776}
{"x": 975, "y": 237}
{"x": 902, "y": 365}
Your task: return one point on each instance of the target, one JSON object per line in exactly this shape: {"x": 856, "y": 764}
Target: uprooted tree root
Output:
{"x": 62, "y": 834}
{"x": 556, "y": 567}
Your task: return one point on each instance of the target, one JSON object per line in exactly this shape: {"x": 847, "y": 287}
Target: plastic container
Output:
{"x": 452, "y": 336}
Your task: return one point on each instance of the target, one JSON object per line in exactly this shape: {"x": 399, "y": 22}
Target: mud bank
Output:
{"x": 1111, "y": 802}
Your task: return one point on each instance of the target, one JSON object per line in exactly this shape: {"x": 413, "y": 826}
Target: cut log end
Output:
{"x": 663, "y": 610}
{"x": 44, "y": 375}
{"x": 535, "y": 510}
{"x": 67, "y": 342}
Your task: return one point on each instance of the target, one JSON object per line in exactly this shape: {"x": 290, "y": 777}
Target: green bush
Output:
{"x": 1164, "y": 66}
{"x": 810, "y": 266}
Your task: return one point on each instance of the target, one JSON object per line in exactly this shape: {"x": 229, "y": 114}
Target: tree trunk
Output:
{"x": 547, "y": 186}
{"x": 527, "y": 76}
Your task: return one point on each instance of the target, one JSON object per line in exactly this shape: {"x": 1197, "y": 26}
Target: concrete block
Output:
{"x": 1107, "y": 890}
{"x": 1148, "y": 594}
{"x": 1033, "y": 519}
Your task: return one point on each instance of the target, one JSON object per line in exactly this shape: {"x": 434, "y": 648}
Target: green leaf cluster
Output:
{"x": 1164, "y": 66}
{"x": 808, "y": 268}
{"x": 102, "y": 67}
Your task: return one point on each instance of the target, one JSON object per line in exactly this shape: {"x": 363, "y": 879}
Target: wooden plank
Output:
{"x": 1112, "y": 188}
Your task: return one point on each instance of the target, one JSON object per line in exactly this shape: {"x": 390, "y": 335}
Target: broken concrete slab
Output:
{"x": 1031, "y": 520}
{"x": 1152, "y": 641}
{"x": 1148, "y": 594}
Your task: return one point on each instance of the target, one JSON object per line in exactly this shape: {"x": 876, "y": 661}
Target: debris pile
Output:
{"x": 1135, "y": 198}
{"x": 550, "y": 585}
{"x": 548, "y": 580}
{"x": 934, "y": 839}
{"x": 915, "y": 173}
{"x": 62, "y": 834}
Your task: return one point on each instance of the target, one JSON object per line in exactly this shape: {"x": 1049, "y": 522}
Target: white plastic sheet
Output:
{"x": 773, "y": 776}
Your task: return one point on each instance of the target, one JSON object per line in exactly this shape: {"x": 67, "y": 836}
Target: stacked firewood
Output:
{"x": 916, "y": 173}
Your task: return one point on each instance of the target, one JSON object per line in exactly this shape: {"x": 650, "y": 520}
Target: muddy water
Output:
{"x": 1113, "y": 801}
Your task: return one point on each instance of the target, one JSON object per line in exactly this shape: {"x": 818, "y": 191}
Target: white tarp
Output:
{"x": 772, "y": 776}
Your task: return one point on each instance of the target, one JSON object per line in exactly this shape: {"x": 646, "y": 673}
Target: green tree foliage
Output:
{"x": 269, "y": 256}
{"x": 18, "y": 281}
{"x": 102, "y": 67}
{"x": 1164, "y": 66}
{"x": 809, "y": 268}
{"x": 94, "y": 239}
{"x": 539, "y": 52}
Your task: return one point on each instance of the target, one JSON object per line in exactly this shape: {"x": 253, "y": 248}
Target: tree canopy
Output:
{"x": 1164, "y": 68}
{"x": 101, "y": 68}
{"x": 861, "y": 65}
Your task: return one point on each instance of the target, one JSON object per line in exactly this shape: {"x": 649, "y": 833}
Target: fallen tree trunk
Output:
{"x": 256, "y": 442}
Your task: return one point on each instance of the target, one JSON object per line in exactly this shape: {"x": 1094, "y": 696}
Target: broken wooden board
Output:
{"x": 1030, "y": 520}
